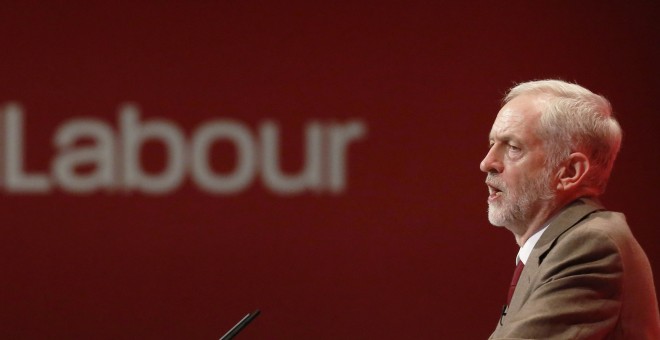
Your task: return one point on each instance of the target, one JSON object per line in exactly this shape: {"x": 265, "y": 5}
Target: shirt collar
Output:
{"x": 526, "y": 249}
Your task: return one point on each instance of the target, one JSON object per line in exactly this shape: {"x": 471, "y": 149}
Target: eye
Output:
{"x": 514, "y": 151}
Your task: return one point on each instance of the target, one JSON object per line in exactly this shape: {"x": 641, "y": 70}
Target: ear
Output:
{"x": 571, "y": 175}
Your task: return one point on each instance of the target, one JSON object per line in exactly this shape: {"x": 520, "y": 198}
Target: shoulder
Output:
{"x": 600, "y": 231}
{"x": 605, "y": 230}
{"x": 593, "y": 247}
{"x": 610, "y": 223}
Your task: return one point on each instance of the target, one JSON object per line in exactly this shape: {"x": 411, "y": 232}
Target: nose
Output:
{"x": 492, "y": 162}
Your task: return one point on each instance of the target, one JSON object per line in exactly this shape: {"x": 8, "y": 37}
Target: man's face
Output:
{"x": 518, "y": 181}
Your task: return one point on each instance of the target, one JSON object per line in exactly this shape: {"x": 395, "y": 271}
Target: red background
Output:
{"x": 405, "y": 252}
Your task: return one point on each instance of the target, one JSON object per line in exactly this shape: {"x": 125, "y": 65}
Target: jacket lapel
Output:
{"x": 566, "y": 219}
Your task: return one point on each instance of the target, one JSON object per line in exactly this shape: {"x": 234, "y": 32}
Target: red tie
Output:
{"x": 514, "y": 280}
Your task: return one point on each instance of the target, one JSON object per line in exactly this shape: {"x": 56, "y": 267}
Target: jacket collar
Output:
{"x": 567, "y": 218}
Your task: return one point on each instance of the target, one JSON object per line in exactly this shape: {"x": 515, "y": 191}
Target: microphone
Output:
{"x": 240, "y": 325}
{"x": 504, "y": 309}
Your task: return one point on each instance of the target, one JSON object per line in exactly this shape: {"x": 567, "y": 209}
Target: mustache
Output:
{"x": 495, "y": 182}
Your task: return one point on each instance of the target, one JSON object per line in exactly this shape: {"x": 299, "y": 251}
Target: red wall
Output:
{"x": 403, "y": 250}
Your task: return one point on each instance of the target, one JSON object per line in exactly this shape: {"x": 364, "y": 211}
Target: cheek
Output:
{"x": 515, "y": 180}
{"x": 513, "y": 176}
{"x": 527, "y": 170}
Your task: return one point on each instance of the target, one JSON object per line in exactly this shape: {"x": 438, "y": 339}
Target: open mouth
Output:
{"x": 493, "y": 192}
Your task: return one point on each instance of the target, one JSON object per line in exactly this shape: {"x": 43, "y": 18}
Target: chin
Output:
{"x": 496, "y": 217}
{"x": 496, "y": 223}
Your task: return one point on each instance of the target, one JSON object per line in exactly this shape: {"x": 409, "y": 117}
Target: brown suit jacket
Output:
{"x": 587, "y": 278}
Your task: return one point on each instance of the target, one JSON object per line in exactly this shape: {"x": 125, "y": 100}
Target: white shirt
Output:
{"x": 526, "y": 249}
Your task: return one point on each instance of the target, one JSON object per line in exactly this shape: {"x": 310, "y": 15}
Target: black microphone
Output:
{"x": 504, "y": 308}
{"x": 240, "y": 325}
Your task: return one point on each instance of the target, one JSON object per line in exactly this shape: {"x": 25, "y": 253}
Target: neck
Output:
{"x": 546, "y": 210}
{"x": 524, "y": 230}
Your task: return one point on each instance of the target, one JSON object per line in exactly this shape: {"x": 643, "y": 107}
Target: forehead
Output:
{"x": 518, "y": 119}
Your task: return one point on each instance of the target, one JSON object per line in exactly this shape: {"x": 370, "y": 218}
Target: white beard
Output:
{"x": 516, "y": 205}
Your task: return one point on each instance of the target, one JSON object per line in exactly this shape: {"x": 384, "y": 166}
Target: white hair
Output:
{"x": 575, "y": 119}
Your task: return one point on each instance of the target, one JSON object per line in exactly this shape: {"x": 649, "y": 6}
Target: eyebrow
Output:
{"x": 503, "y": 137}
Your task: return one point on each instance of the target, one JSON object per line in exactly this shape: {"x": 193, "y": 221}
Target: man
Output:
{"x": 582, "y": 274}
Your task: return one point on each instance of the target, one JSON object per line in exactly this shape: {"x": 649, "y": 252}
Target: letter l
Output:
{"x": 16, "y": 179}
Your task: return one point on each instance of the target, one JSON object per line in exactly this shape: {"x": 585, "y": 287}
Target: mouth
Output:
{"x": 493, "y": 191}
